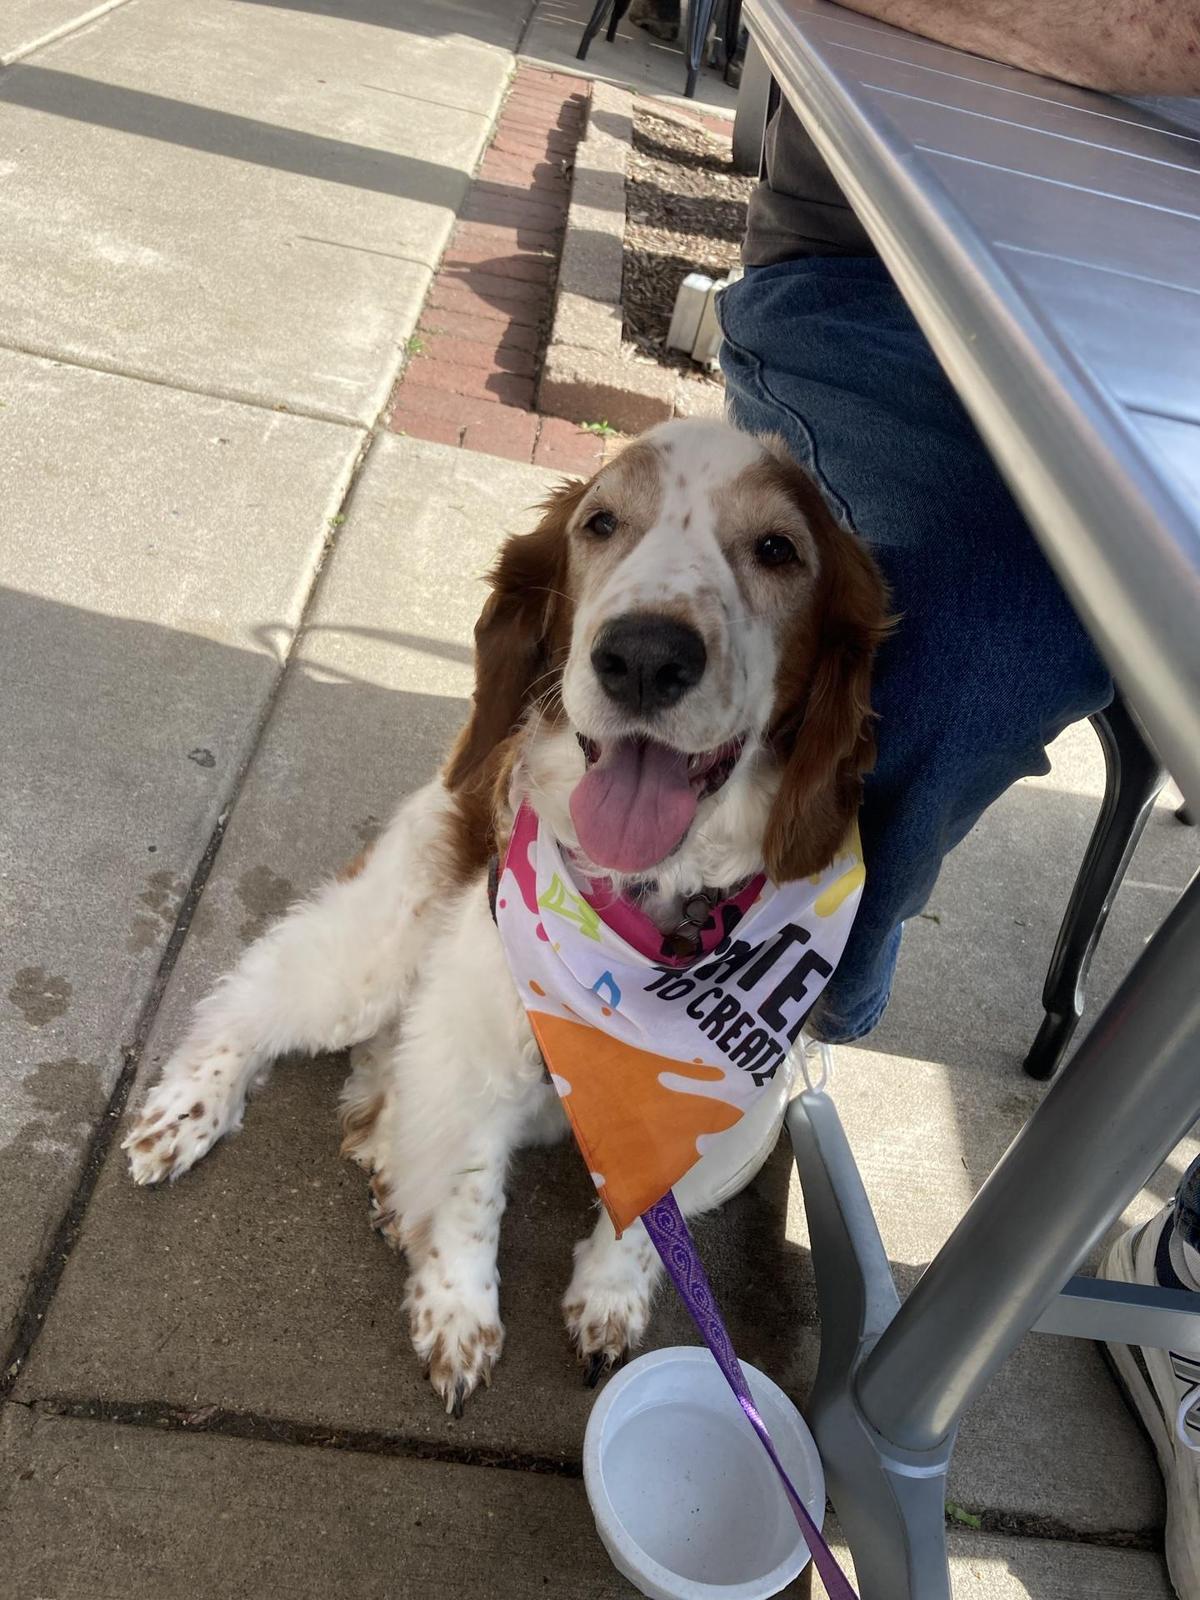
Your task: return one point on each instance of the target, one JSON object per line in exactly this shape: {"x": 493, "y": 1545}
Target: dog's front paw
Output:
{"x": 174, "y": 1128}
{"x": 607, "y": 1305}
{"x": 456, "y": 1332}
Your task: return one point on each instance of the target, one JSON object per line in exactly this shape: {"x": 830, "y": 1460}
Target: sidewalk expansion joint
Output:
{"x": 250, "y": 1426}
{"x": 234, "y": 396}
{"x": 75, "y": 25}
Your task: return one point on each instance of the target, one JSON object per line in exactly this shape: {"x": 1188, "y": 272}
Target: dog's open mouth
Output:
{"x": 638, "y": 798}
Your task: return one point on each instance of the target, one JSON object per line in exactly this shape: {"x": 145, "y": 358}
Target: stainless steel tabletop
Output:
{"x": 1048, "y": 241}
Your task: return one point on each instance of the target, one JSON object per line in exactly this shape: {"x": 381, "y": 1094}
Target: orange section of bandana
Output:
{"x": 637, "y": 1135}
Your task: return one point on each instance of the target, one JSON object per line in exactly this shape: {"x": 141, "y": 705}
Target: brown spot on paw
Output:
{"x": 358, "y": 1123}
{"x": 609, "y": 1335}
{"x": 468, "y": 1349}
{"x": 416, "y": 1240}
{"x": 439, "y": 1368}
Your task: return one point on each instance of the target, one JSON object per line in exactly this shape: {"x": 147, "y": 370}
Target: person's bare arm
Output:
{"x": 1122, "y": 46}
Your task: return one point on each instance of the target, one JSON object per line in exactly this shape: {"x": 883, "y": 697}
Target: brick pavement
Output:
{"x": 471, "y": 378}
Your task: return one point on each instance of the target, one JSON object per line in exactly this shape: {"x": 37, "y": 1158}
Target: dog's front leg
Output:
{"x": 453, "y": 1296}
{"x": 466, "y": 1088}
{"x": 607, "y": 1303}
{"x": 328, "y": 975}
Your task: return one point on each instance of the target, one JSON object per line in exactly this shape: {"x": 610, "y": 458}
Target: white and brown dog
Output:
{"x": 673, "y": 670}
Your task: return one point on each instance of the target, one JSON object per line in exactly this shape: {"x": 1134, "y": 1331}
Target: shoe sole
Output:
{"x": 1183, "y": 1511}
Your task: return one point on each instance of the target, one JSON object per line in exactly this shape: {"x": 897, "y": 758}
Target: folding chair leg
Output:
{"x": 1134, "y": 780}
{"x": 700, "y": 15}
{"x": 595, "y": 22}
{"x": 730, "y": 29}
{"x": 620, "y": 7}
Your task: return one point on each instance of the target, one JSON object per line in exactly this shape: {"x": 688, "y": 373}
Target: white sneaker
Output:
{"x": 1164, "y": 1389}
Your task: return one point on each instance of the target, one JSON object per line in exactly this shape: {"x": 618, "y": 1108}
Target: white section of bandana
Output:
{"x": 738, "y": 1009}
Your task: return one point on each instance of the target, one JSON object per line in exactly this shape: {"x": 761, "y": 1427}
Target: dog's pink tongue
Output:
{"x": 634, "y": 806}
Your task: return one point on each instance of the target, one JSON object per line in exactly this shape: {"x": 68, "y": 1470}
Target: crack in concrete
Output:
{"x": 255, "y": 1428}
{"x": 248, "y": 1425}
{"x": 133, "y": 374}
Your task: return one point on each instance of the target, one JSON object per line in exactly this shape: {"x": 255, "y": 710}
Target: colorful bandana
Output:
{"x": 653, "y": 1056}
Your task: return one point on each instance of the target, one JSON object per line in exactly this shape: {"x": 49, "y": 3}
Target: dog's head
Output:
{"x": 691, "y": 611}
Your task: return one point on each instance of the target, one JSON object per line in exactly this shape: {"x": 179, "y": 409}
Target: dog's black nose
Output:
{"x": 646, "y": 662}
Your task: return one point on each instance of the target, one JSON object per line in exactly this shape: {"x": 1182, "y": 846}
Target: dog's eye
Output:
{"x": 602, "y": 523}
{"x": 775, "y": 550}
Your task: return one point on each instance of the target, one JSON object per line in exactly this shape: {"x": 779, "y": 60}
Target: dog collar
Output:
{"x": 685, "y": 941}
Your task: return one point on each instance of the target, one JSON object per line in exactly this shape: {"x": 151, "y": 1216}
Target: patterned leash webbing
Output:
{"x": 674, "y": 1243}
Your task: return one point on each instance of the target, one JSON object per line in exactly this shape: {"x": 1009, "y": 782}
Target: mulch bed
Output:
{"x": 685, "y": 211}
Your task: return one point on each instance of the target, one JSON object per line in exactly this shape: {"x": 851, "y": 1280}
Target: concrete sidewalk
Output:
{"x": 240, "y": 204}
{"x": 235, "y": 631}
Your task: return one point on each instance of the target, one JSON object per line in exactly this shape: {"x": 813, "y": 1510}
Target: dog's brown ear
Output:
{"x": 823, "y": 727}
{"x": 522, "y": 635}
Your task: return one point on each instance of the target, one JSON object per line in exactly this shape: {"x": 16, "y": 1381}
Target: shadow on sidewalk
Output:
{"x": 222, "y": 133}
{"x": 124, "y": 744}
{"x": 483, "y": 20}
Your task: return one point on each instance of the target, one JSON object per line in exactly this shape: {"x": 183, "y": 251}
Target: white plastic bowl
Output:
{"x": 686, "y": 1502}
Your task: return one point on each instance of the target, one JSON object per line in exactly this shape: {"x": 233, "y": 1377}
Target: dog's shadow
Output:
{"x": 761, "y": 1278}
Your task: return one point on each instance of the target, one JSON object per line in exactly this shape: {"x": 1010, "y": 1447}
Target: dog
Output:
{"x": 673, "y": 670}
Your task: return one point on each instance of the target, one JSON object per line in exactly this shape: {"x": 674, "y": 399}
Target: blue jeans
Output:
{"x": 989, "y": 662}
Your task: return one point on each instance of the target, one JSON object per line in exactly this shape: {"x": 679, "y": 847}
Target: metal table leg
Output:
{"x": 890, "y": 1387}
{"x": 750, "y": 122}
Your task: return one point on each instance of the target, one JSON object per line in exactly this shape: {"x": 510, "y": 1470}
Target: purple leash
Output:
{"x": 674, "y": 1243}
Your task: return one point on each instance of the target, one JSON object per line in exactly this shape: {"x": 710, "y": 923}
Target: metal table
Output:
{"x": 1048, "y": 241}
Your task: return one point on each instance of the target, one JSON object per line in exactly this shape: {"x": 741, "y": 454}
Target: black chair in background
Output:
{"x": 699, "y": 22}
{"x": 1133, "y": 780}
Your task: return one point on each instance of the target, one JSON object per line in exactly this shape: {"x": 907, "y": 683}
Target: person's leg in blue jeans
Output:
{"x": 988, "y": 662}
